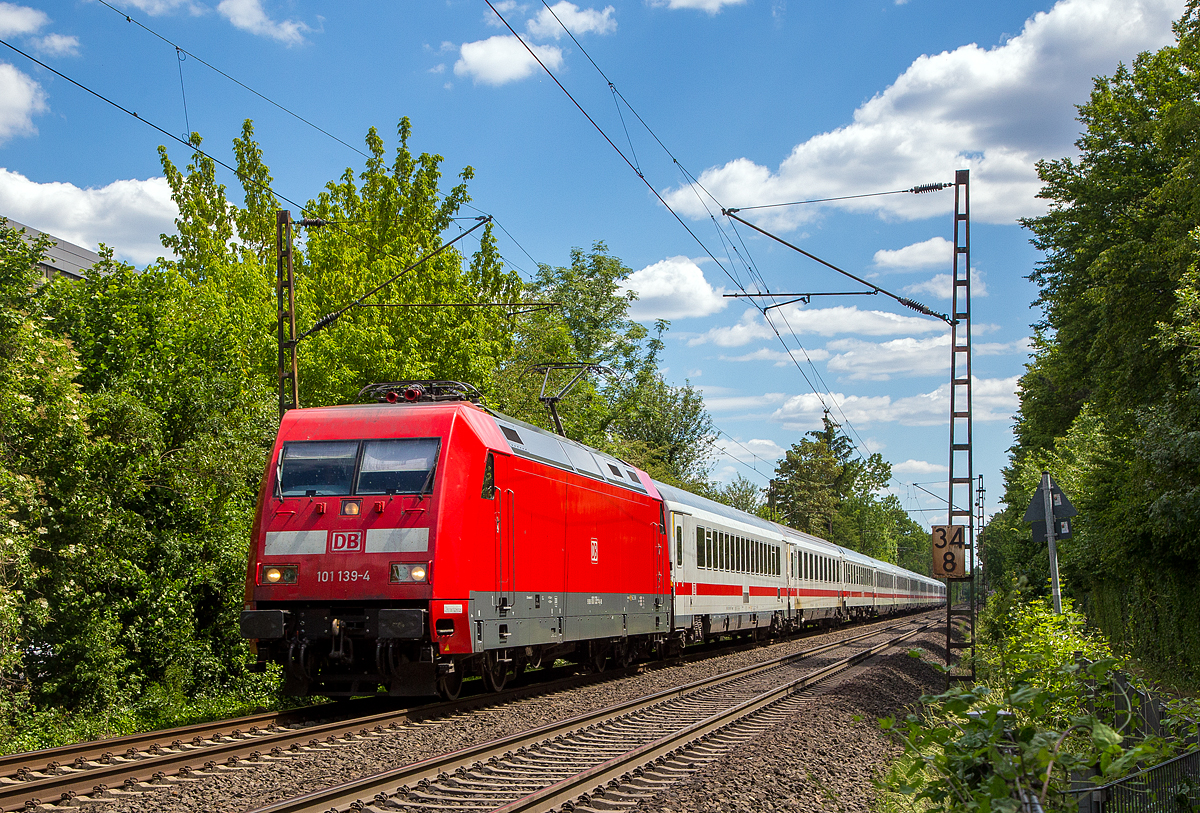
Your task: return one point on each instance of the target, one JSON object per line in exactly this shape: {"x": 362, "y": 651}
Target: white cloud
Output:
{"x": 17, "y": 20}
{"x": 674, "y": 288}
{"x": 749, "y": 328}
{"x": 711, "y": 6}
{"x": 907, "y": 356}
{"x": 579, "y": 21}
{"x": 995, "y": 399}
{"x": 57, "y": 45}
{"x": 157, "y": 7}
{"x": 821, "y": 321}
{"x": 128, "y": 215}
{"x": 780, "y": 357}
{"x": 758, "y": 452}
{"x": 502, "y": 59}
{"x": 941, "y": 286}
{"x": 994, "y": 111}
{"x": 20, "y": 99}
{"x": 732, "y": 403}
{"x": 881, "y": 361}
{"x": 249, "y": 15}
{"x": 932, "y": 252}
{"x": 911, "y": 466}
{"x": 1019, "y": 347}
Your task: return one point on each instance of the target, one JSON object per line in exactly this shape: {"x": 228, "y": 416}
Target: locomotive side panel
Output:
{"x": 613, "y": 564}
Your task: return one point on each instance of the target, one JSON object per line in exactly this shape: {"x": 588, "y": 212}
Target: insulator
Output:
{"x": 311, "y": 222}
{"x": 917, "y": 306}
{"x": 929, "y": 187}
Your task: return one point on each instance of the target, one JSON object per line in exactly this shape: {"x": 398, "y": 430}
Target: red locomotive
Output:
{"x": 400, "y": 546}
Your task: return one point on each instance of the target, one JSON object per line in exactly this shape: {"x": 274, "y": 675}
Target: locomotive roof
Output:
{"x": 533, "y": 442}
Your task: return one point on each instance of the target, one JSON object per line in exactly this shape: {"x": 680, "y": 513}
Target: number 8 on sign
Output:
{"x": 949, "y": 551}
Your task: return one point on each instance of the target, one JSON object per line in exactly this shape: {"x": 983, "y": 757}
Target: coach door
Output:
{"x": 678, "y": 534}
{"x": 505, "y": 547}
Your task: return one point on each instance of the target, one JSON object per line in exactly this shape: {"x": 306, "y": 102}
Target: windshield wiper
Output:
{"x": 425, "y": 487}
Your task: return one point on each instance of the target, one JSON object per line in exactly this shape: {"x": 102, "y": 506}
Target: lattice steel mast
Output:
{"x": 962, "y": 463}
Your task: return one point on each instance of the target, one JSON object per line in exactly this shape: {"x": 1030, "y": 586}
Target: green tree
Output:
{"x": 1110, "y": 403}
{"x": 631, "y": 412}
{"x": 823, "y": 487}
{"x": 740, "y": 493}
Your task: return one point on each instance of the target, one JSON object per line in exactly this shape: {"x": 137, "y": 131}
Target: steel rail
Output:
{"x": 150, "y": 763}
{"x": 358, "y": 792}
{"x": 231, "y": 726}
{"x": 593, "y": 778}
{"x": 226, "y": 749}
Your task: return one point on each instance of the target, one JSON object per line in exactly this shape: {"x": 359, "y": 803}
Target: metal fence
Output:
{"x": 1169, "y": 787}
{"x": 1172, "y": 786}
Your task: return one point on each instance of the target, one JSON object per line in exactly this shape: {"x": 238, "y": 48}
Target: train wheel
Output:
{"x": 449, "y": 686}
{"x": 623, "y": 655}
{"x": 495, "y": 672}
{"x": 598, "y": 659}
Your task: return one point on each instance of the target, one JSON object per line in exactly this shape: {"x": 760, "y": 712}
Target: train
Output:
{"x": 403, "y": 545}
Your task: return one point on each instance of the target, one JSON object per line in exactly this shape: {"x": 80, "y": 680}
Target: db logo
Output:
{"x": 595, "y": 551}
{"x": 345, "y": 541}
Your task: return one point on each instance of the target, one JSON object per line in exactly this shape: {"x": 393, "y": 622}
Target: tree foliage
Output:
{"x": 631, "y": 412}
{"x": 1110, "y": 403}
{"x": 824, "y": 487}
{"x": 1035, "y": 715}
{"x": 137, "y": 408}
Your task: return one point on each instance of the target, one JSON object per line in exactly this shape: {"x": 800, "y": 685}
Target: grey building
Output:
{"x": 62, "y": 257}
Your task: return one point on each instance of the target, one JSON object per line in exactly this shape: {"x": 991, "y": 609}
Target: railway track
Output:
{"x": 92, "y": 769}
{"x": 620, "y": 752}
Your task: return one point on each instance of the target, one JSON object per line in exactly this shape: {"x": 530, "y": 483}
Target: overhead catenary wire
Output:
{"x": 328, "y": 318}
{"x": 694, "y": 182}
{"x": 182, "y": 52}
{"x": 603, "y": 134}
{"x": 180, "y": 49}
{"x": 916, "y": 190}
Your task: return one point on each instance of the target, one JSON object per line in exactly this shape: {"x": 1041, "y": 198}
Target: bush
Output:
{"x": 1034, "y": 716}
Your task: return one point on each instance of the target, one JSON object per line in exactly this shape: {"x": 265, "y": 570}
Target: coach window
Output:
{"x": 679, "y": 544}
{"x": 316, "y": 468}
{"x": 489, "y": 478}
{"x": 701, "y": 559}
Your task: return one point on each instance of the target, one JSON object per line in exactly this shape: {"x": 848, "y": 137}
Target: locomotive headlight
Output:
{"x": 407, "y": 573}
{"x": 278, "y": 574}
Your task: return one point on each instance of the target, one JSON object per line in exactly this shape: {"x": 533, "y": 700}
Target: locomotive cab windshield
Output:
{"x": 334, "y": 467}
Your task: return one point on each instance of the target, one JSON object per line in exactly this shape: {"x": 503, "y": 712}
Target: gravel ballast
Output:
{"x": 826, "y": 757}
{"x": 250, "y": 785}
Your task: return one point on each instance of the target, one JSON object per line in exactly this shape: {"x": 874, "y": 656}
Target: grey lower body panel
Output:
{"x": 503, "y": 620}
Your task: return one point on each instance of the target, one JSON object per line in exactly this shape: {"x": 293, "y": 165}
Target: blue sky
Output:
{"x": 764, "y": 101}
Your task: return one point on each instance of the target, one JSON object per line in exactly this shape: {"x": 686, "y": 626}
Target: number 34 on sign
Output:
{"x": 949, "y": 551}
